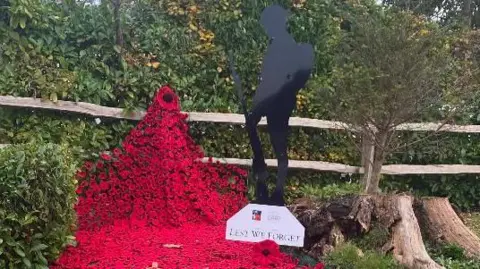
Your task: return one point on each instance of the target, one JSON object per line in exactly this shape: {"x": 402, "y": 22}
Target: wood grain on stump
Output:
{"x": 330, "y": 223}
{"x": 407, "y": 242}
{"x": 443, "y": 225}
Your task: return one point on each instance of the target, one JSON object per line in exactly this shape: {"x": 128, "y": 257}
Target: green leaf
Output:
{"x": 42, "y": 258}
{"x": 37, "y": 236}
{"x": 124, "y": 64}
{"x": 27, "y": 262}
{"x": 54, "y": 97}
{"x": 117, "y": 49}
{"x": 38, "y": 247}
{"x": 19, "y": 169}
{"x": 19, "y": 252}
{"x": 13, "y": 22}
{"x": 22, "y": 22}
{"x": 14, "y": 35}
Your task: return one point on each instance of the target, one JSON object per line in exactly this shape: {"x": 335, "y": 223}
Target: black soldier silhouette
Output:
{"x": 286, "y": 68}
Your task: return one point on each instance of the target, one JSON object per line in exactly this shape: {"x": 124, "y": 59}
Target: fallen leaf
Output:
{"x": 172, "y": 246}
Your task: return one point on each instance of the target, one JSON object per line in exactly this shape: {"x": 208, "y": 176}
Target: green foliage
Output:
{"x": 450, "y": 263}
{"x": 348, "y": 256}
{"x": 452, "y": 257}
{"x": 84, "y": 136}
{"x": 37, "y": 187}
{"x": 448, "y": 12}
{"x": 393, "y": 67}
{"x": 66, "y": 51}
{"x": 452, "y": 251}
{"x": 70, "y": 54}
{"x": 462, "y": 190}
{"x": 165, "y": 42}
{"x": 472, "y": 221}
{"x": 390, "y": 68}
{"x": 329, "y": 191}
{"x": 303, "y": 258}
{"x": 375, "y": 239}
{"x": 308, "y": 184}
{"x": 364, "y": 79}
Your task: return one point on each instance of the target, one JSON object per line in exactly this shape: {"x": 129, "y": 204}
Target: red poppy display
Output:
{"x": 154, "y": 193}
{"x": 267, "y": 253}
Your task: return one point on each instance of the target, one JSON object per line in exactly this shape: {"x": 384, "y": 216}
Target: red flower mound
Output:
{"x": 154, "y": 201}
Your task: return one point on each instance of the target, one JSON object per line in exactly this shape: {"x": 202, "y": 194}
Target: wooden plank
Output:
{"x": 431, "y": 169}
{"x": 294, "y": 164}
{"x": 67, "y": 106}
{"x": 240, "y": 119}
{"x": 395, "y": 169}
{"x": 392, "y": 169}
{"x": 431, "y": 126}
{"x": 111, "y": 112}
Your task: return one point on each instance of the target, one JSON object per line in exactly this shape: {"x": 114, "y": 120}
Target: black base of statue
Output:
{"x": 286, "y": 68}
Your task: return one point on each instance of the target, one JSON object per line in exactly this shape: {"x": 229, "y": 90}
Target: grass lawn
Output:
{"x": 472, "y": 220}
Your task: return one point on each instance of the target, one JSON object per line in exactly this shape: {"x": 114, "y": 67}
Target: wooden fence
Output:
{"x": 397, "y": 169}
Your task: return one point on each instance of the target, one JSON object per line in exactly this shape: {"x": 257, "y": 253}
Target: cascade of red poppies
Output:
{"x": 153, "y": 200}
{"x": 157, "y": 177}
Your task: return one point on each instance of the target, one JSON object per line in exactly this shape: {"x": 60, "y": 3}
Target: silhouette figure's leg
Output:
{"x": 259, "y": 166}
{"x": 278, "y": 130}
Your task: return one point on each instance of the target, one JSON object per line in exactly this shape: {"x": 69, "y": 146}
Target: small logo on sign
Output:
{"x": 256, "y": 215}
{"x": 273, "y": 216}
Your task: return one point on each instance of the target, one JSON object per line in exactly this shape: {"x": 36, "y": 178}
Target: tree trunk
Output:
{"x": 368, "y": 150}
{"x": 373, "y": 185}
{"x": 118, "y": 25}
{"x": 351, "y": 216}
{"x": 407, "y": 242}
{"x": 467, "y": 13}
{"x": 443, "y": 224}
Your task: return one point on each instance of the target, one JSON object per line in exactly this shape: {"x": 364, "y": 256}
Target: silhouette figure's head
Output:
{"x": 274, "y": 20}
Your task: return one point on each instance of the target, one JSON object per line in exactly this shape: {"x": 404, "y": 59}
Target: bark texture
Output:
{"x": 407, "y": 242}
{"x": 330, "y": 223}
{"x": 444, "y": 225}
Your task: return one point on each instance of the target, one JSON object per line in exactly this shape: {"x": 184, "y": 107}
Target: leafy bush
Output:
{"x": 462, "y": 190}
{"x": 375, "y": 239}
{"x": 452, "y": 256}
{"x": 450, "y": 263}
{"x": 452, "y": 251}
{"x": 67, "y": 51}
{"x": 348, "y": 256}
{"x": 37, "y": 195}
{"x": 329, "y": 191}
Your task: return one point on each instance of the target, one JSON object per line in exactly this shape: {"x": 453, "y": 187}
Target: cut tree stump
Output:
{"x": 443, "y": 225}
{"x": 407, "y": 242}
{"x": 343, "y": 218}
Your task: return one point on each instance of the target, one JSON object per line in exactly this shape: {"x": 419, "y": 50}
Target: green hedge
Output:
{"x": 67, "y": 51}
{"x": 37, "y": 195}
{"x": 86, "y": 139}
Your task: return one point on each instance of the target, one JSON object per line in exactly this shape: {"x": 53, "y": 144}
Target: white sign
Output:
{"x": 255, "y": 223}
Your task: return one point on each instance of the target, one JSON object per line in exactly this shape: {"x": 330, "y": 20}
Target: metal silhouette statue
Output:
{"x": 286, "y": 68}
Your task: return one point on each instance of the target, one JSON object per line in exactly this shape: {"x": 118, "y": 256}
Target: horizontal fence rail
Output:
{"x": 389, "y": 169}
{"x": 118, "y": 113}
{"x": 393, "y": 169}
